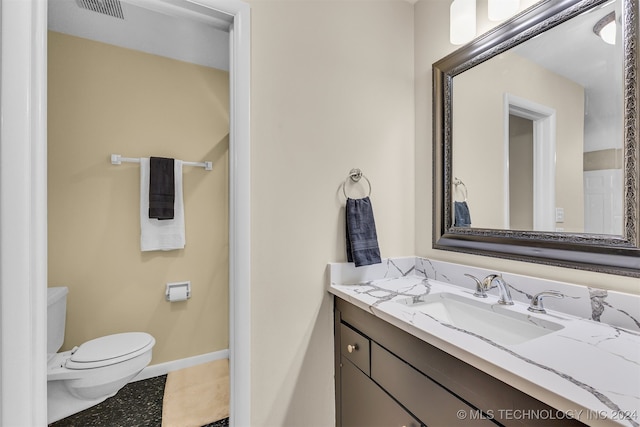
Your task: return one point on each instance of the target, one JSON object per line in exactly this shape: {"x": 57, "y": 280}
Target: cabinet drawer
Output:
{"x": 426, "y": 399}
{"x": 355, "y": 347}
{"x": 365, "y": 404}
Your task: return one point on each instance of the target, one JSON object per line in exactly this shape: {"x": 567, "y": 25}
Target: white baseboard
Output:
{"x": 164, "y": 368}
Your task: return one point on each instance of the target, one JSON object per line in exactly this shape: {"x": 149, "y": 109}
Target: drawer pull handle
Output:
{"x": 352, "y": 347}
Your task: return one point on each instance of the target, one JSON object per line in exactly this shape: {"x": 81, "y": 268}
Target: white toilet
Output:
{"x": 92, "y": 372}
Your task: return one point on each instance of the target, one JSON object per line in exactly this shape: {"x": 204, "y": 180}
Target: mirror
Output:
{"x": 535, "y": 139}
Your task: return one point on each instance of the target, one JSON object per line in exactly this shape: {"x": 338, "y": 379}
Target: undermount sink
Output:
{"x": 491, "y": 321}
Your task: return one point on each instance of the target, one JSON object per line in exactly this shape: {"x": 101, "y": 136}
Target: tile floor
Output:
{"x": 137, "y": 404}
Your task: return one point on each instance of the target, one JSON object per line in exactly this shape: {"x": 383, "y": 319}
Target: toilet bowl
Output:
{"x": 90, "y": 373}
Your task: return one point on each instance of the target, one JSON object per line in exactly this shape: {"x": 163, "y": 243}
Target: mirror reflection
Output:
{"x": 537, "y": 132}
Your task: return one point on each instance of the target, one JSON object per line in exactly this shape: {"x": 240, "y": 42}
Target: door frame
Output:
{"x": 23, "y": 209}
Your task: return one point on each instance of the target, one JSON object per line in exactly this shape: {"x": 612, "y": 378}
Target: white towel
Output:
{"x": 166, "y": 234}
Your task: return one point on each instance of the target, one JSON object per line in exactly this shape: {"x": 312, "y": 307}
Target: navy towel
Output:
{"x": 362, "y": 240}
{"x": 462, "y": 215}
{"x": 162, "y": 189}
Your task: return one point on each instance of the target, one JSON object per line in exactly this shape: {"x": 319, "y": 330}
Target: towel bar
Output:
{"x": 117, "y": 159}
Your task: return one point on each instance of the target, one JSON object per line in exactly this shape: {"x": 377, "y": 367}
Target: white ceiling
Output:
{"x": 575, "y": 52}
{"x": 198, "y": 35}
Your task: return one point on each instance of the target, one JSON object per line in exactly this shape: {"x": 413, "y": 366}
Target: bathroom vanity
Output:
{"x": 405, "y": 356}
{"x": 378, "y": 363}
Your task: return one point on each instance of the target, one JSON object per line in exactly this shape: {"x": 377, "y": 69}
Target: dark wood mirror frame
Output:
{"x": 603, "y": 253}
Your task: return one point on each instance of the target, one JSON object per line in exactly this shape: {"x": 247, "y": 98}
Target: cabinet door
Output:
{"x": 367, "y": 405}
{"x": 430, "y": 402}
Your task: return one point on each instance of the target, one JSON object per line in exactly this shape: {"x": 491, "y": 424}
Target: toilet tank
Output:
{"x": 56, "y": 316}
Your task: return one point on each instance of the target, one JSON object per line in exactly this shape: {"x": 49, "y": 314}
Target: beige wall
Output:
{"x": 478, "y": 110}
{"x": 102, "y": 100}
{"x": 332, "y": 89}
{"x": 610, "y": 158}
{"x": 431, "y": 44}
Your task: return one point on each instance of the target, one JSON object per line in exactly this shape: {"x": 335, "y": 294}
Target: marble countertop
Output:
{"x": 587, "y": 369}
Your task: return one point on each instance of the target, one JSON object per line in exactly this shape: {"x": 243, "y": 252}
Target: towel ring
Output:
{"x": 458, "y": 181}
{"x": 355, "y": 175}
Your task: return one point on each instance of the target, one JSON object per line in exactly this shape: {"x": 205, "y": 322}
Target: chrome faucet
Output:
{"x": 536, "y": 302}
{"x": 503, "y": 288}
{"x": 480, "y": 291}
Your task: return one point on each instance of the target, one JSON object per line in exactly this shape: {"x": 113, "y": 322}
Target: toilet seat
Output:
{"x": 109, "y": 350}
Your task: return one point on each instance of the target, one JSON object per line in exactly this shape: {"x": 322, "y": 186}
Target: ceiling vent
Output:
{"x": 106, "y": 7}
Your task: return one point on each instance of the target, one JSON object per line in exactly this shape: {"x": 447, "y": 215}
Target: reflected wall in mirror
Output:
{"x": 535, "y": 139}
{"x": 539, "y": 110}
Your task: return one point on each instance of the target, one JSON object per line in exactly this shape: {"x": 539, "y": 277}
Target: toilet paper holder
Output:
{"x": 178, "y": 291}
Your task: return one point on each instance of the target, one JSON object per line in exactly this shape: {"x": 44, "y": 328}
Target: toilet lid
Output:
{"x": 110, "y": 349}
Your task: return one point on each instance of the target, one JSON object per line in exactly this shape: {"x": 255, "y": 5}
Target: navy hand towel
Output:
{"x": 462, "y": 215}
{"x": 162, "y": 189}
{"x": 362, "y": 239}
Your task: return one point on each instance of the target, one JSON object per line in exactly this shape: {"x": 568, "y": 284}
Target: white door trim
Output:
{"x": 544, "y": 159}
{"x": 239, "y": 213}
{"x": 23, "y": 213}
{"x": 23, "y": 209}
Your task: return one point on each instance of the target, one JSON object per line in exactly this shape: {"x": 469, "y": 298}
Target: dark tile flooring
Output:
{"x": 137, "y": 404}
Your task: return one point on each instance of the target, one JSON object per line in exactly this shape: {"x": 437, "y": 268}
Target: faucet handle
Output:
{"x": 536, "y": 302}
{"x": 480, "y": 289}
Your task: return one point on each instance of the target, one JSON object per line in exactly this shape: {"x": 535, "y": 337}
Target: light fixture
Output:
{"x": 462, "y": 21}
{"x": 605, "y": 28}
{"x": 499, "y": 10}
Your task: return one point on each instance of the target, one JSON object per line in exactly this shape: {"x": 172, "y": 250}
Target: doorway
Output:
{"x": 520, "y": 173}
{"x": 23, "y": 212}
{"x": 542, "y": 177}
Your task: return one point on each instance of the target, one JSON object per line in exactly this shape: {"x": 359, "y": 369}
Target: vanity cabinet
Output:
{"x": 365, "y": 404}
{"x": 387, "y": 377}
